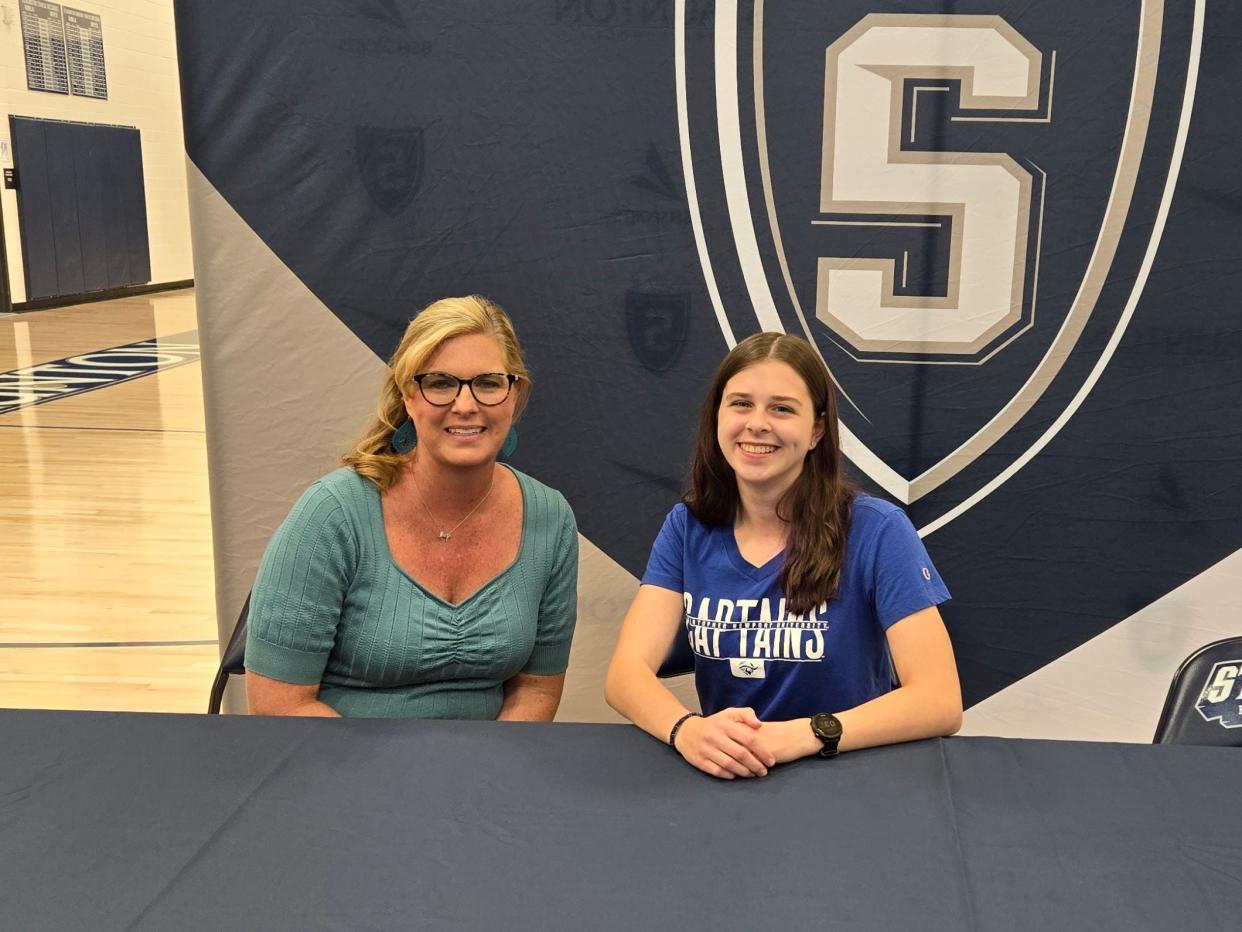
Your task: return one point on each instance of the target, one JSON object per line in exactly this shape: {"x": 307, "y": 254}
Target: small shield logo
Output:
{"x": 657, "y": 323}
{"x": 390, "y": 163}
{"x": 657, "y": 179}
{"x": 385, "y": 11}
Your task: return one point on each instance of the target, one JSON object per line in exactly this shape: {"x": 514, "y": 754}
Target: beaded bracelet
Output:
{"x": 672, "y": 735}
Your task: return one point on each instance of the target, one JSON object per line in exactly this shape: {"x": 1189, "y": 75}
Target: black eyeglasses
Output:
{"x": 488, "y": 388}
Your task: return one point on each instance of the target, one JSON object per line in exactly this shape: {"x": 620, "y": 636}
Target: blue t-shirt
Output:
{"x": 751, "y": 651}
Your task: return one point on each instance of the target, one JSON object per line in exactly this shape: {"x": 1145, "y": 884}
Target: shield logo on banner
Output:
{"x": 385, "y": 11}
{"x": 657, "y": 323}
{"x": 390, "y": 163}
{"x": 908, "y": 192}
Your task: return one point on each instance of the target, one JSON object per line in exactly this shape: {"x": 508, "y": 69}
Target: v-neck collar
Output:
{"x": 456, "y": 606}
{"x": 740, "y": 563}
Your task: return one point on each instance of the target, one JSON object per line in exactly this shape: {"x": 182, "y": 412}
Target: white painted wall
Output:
{"x": 140, "y": 54}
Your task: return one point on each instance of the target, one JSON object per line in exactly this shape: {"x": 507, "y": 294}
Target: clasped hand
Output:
{"x": 735, "y": 743}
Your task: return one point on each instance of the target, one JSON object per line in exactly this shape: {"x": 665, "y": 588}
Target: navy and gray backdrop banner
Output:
{"x": 1009, "y": 227}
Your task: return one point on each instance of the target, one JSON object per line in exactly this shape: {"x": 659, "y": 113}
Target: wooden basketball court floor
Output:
{"x": 106, "y": 593}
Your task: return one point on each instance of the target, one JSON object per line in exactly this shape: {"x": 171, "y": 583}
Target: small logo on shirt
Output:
{"x": 747, "y": 669}
{"x": 927, "y": 574}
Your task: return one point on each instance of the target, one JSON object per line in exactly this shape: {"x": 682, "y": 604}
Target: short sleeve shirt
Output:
{"x": 750, "y": 650}
{"x": 331, "y": 606}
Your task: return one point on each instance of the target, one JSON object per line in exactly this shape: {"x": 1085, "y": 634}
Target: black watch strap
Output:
{"x": 827, "y": 728}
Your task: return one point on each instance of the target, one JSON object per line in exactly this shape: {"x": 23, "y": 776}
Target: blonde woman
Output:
{"x": 423, "y": 578}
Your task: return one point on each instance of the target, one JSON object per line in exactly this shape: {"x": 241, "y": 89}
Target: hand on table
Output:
{"x": 727, "y": 744}
{"x": 789, "y": 740}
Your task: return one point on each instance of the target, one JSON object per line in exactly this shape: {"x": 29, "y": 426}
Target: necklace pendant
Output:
{"x": 446, "y": 535}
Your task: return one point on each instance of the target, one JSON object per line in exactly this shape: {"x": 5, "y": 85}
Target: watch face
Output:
{"x": 826, "y": 725}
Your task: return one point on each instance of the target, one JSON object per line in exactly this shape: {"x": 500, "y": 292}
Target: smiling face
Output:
{"x": 766, "y": 424}
{"x": 464, "y": 433}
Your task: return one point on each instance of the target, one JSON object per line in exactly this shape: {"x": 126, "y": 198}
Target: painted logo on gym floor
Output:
{"x": 86, "y": 372}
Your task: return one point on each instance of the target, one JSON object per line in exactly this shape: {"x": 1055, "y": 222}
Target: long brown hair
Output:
{"x": 373, "y": 456}
{"x": 817, "y": 506}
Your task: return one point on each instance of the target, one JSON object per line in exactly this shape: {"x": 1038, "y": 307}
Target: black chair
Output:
{"x": 680, "y": 658}
{"x": 1204, "y": 705}
{"x": 232, "y": 663}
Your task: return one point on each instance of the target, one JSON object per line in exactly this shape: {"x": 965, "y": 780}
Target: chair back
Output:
{"x": 232, "y": 662}
{"x": 680, "y": 658}
{"x": 1204, "y": 704}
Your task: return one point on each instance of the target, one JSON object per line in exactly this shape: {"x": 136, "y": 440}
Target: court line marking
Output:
{"x": 27, "y": 645}
{"x": 138, "y": 430}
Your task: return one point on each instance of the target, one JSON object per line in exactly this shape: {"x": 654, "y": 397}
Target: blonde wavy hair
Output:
{"x": 373, "y": 456}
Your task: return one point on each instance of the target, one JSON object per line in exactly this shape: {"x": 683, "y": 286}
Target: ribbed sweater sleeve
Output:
{"x": 296, "y": 603}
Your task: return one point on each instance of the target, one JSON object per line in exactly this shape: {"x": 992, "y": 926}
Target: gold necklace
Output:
{"x": 446, "y": 536}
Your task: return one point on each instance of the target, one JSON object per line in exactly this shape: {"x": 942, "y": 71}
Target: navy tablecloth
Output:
{"x": 125, "y": 821}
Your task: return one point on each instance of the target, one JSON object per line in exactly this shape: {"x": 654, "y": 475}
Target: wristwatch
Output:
{"x": 827, "y": 728}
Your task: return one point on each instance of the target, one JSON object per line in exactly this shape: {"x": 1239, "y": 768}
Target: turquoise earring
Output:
{"x": 510, "y": 443}
{"x": 404, "y": 438}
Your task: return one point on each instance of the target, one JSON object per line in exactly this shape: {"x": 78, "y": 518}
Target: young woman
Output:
{"x": 423, "y": 579}
{"x": 800, "y": 596}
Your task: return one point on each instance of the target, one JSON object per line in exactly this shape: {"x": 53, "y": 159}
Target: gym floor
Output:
{"x": 106, "y": 592}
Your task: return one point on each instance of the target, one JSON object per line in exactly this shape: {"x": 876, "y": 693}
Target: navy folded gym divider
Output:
{"x": 82, "y": 206}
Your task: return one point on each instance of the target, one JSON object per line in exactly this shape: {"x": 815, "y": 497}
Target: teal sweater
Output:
{"x": 331, "y": 606}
